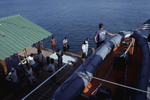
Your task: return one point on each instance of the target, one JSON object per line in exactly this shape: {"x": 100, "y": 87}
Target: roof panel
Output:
{"x": 19, "y": 33}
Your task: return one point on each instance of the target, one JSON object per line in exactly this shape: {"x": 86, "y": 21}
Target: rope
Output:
{"x": 143, "y": 91}
{"x": 127, "y": 49}
{"x": 86, "y": 76}
{"x": 102, "y": 82}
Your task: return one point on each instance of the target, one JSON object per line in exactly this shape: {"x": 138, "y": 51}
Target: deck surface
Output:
{"x": 46, "y": 91}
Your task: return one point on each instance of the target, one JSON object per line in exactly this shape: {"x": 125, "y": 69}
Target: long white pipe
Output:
{"x": 121, "y": 85}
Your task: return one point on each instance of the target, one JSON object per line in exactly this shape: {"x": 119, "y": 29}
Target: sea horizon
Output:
{"x": 79, "y": 19}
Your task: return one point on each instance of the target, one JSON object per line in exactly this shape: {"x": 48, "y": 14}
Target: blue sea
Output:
{"x": 79, "y": 19}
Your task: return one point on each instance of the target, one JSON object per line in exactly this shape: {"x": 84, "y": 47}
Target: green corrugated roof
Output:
{"x": 19, "y": 33}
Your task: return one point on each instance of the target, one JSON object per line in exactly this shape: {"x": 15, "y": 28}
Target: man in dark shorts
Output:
{"x": 100, "y": 35}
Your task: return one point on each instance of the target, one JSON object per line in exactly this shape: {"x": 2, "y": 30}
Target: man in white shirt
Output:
{"x": 65, "y": 45}
{"x": 31, "y": 59}
{"x": 86, "y": 46}
{"x": 34, "y": 65}
{"x": 83, "y": 49}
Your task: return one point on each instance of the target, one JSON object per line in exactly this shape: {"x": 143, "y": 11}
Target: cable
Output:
{"x": 121, "y": 85}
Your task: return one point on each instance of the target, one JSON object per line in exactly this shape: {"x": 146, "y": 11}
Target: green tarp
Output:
{"x": 16, "y": 33}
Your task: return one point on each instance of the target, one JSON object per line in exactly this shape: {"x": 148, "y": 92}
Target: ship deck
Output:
{"x": 45, "y": 91}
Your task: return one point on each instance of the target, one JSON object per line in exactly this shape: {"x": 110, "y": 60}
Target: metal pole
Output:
{"x": 121, "y": 85}
{"x": 45, "y": 81}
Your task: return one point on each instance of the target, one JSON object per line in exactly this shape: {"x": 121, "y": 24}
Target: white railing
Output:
{"x": 45, "y": 80}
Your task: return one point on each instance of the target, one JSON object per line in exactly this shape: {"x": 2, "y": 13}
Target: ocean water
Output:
{"x": 79, "y": 19}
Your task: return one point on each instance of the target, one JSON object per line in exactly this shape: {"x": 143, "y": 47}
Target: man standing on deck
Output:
{"x": 34, "y": 65}
{"x": 52, "y": 42}
{"x": 99, "y": 37}
{"x": 59, "y": 54}
{"x": 12, "y": 77}
{"x": 65, "y": 45}
{"x": 83, "y": 50}
{"x": 87, "y": 47}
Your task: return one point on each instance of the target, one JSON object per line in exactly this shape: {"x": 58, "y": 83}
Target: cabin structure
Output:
{"x": 17, "y": 33}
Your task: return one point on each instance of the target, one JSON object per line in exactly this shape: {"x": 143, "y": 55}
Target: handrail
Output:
{"x": 56, "y": 83}
{"x": 46, "y": 80}
{"x": 121, "y": 85}
{"x": 117, "y": 84}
